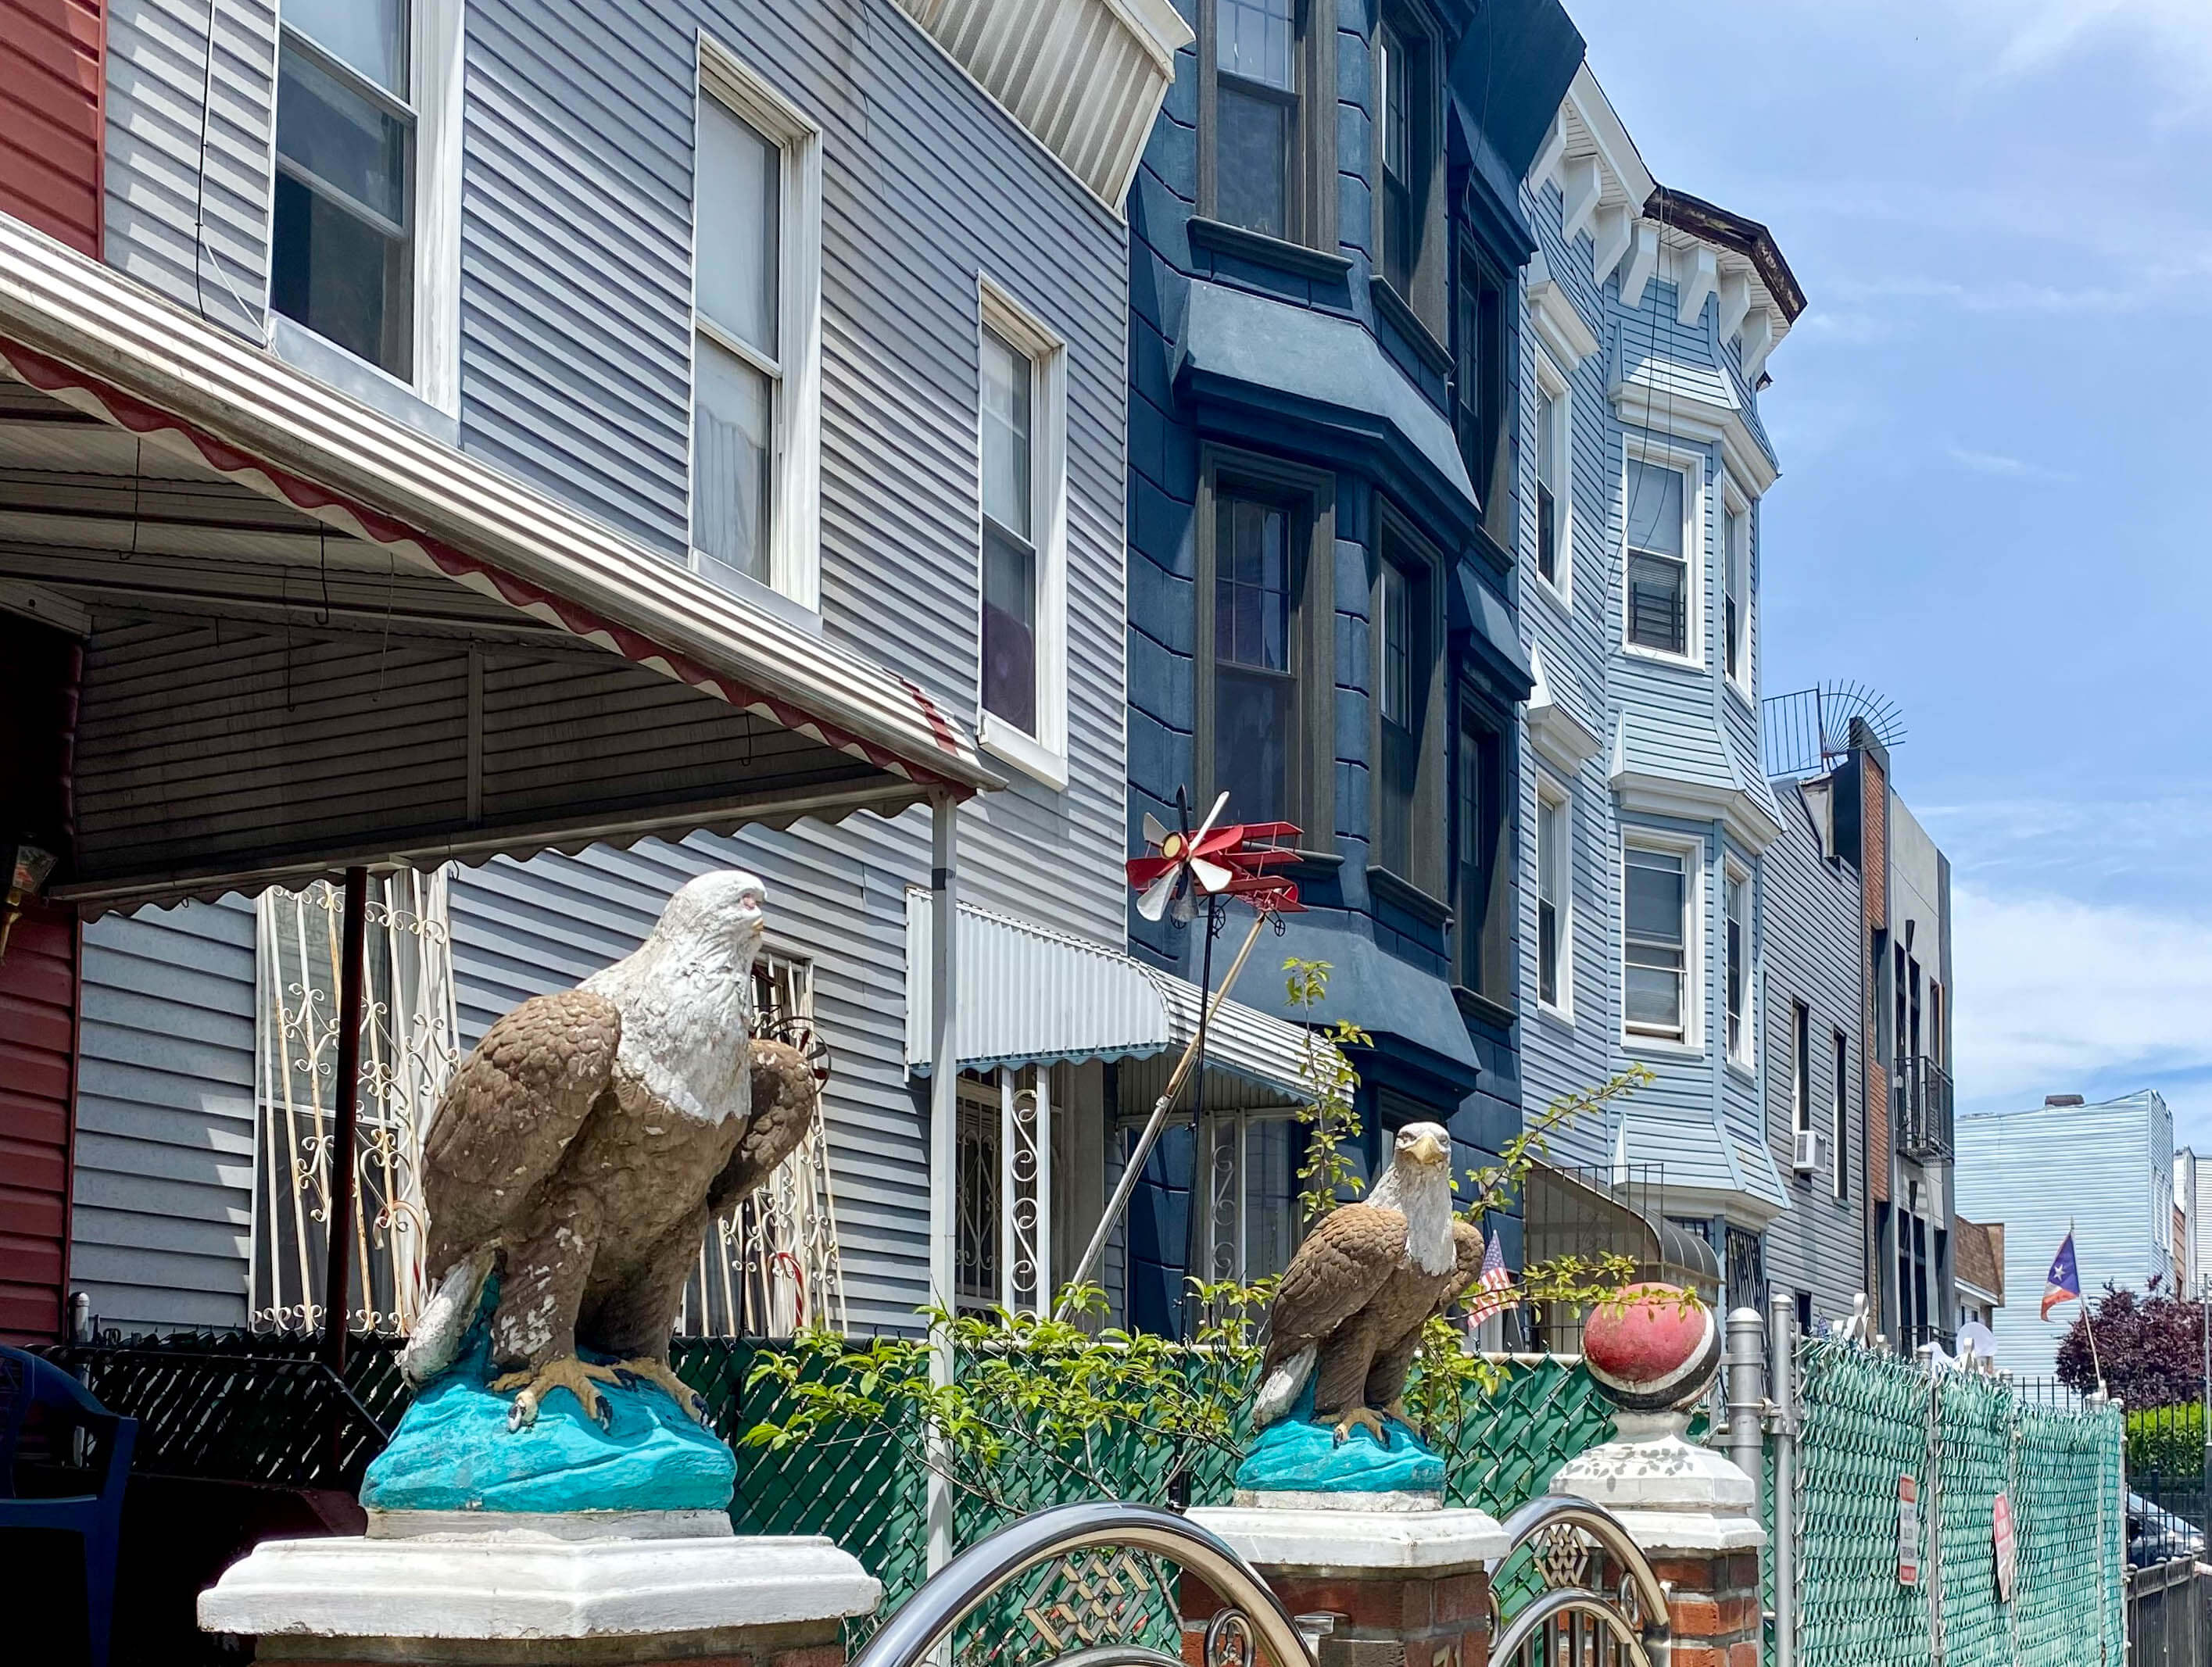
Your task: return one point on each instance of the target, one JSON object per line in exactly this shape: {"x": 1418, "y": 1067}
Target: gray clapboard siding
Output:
{"x": 187, "y": 202}
{"x": 162, "y": 1225}
{"x": 1810, "y": 934}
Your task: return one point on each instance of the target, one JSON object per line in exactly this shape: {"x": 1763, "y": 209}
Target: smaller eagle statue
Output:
{"x": 584, "y": 1146}
{"x": 1349, "y": 1310}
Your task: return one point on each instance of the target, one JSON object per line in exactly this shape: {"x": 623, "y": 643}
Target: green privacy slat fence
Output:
{"x": 1865, "y": 1420}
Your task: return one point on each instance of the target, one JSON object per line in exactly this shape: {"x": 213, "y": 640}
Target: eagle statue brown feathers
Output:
{"x": 1348, "y": 1312}
{"x": 587, "y": 1141}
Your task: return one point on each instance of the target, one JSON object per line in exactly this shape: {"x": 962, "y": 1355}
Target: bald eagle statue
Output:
{"x": 584, "y": 1146}
{"x": 1348, "y": 1312}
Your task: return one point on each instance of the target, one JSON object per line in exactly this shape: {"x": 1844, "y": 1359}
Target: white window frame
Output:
{"x": 1561, "y": 798}
{"x": 1840, "y": 1109}
{"x": 434, "y": 66}
{"x": 795, "y": 564}
{"x": 1744, "y": 679}
{"x": 1043, "y": 756}
{"x": 1690, "y": 849}
{"x": 1552, "y": 384}
{"x": 1745, "y": 1057}
{"x": 1691, "y": 465}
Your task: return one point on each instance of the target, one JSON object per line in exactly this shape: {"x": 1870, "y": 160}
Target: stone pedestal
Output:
{"x": 1402, "y": 1588}
{"x": 1693, "y": 1513}
{"x": 468, "y": 1590}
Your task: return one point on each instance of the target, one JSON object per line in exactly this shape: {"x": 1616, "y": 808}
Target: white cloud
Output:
{"x": 1996, "y": 463}
{"x": 2041, "y": 33}
{"x": 2055, "y": 994}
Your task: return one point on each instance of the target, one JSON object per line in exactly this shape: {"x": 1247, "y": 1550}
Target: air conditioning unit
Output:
{"x": 1807, "y": 1160}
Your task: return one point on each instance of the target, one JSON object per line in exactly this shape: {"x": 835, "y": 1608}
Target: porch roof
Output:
{"x": 314, "y": 636}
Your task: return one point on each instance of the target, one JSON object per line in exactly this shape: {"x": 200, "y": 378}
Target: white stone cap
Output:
{"x": 1357, "y": 1542}
{"x": 1665, "y": 1473}
{"x": 522, "y": 1584}
{"x": 1661, "y": 1531}
{"x": 550, "y": 1524}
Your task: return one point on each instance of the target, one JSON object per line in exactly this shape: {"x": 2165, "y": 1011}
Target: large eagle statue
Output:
{"x": 584, "y": 1144}
{"x": 1349, "y": 1310}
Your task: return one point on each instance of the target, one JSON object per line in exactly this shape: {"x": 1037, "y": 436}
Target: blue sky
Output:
{"x": 1994, "y": 449}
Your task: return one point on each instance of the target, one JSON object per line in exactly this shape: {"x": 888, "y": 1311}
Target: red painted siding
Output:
{"x": 51, "y": 125}
{"x": 38, "y": 1058}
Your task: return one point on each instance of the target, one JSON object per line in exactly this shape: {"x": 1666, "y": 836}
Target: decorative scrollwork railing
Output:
{"x": 1041, "y": 1540}
{"x": 1598, "y": 1601}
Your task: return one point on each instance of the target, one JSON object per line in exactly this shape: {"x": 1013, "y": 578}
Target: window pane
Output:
{"x": 1256, "y": 39}
{"x": 1735, "y": 967}
{"x": 1007, "y": 382}
{"x": 738, "y": 207}
{"x": 1254, "y": 734}
{"x": 1010, "y": 629}
{"x": 1251, "y": 584}
{"x": 370, "y": 35}
{"x": 1396, "y": 629}
{"x": 339, "y": 275}
{"x": 1252, "y": 162}
{"x": 1653, "y": 995}
{"x": 1391, "y": 72}
{"x": 1658, "y": 616}
{"x": 345, "y": 139}
{"x": 1735, "y": 576}
{"x": 1654, "y": 509}
{"x": 732, "y": 429}
{"x": 1657, "y": 887}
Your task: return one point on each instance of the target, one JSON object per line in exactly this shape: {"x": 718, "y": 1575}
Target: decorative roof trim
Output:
{"x": 1558, "y": 325}
{"x": 1750, "y": 823}
{"x": 1750, "y": 463}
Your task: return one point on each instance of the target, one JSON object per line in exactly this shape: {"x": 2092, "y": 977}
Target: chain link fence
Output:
{"x": 1868, "y": 1422}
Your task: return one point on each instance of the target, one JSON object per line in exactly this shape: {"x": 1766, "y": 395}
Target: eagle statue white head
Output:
{"x": 1418, "y": 1183}
{"x": 686, "y": 991}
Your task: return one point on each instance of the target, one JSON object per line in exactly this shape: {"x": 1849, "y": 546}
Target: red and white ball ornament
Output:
{"x": 1652, "y": 1348}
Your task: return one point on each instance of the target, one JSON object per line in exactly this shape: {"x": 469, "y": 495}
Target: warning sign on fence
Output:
{"x": 1908, "y": 1531}
{"x": 2008, "y": 1553}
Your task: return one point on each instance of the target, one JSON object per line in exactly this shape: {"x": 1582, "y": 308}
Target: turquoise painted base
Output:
{"x": 1299, "y": 1455}
{"x": 453, "y": 1450}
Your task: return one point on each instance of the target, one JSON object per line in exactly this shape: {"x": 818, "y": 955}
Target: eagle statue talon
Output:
{"x": 659, "y": 1372}
{"x": 1365, "y": 1418}
{"x": 1396, "y": 1409}
{"x": 566, "y": 1372}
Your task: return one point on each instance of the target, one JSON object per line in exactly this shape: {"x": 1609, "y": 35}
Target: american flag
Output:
{"x": 1495, "y": 1284}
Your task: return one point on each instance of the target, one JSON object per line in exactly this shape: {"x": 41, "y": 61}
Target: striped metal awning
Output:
{"x": 1031, "y": 995}
{"x": 315, "y": 636}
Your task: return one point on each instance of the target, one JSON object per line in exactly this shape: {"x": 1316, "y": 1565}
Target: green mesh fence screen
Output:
{"x": 1866, "y": 1420}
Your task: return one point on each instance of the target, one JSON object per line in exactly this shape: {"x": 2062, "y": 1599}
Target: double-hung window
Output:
{"x": 1840, "y": 1103}
{"x": 1655, "y": 988}
{"x": 1023, "y": 549}
{"x": 1735, "y": 584}
{"x": 1801, "y": 1067}
{"x": 1407, "y": 758}
{"x": 342, "y": 232}
{"x": 1258, "y": 116}
{"x": 1481, "y": 392}
{"x": 1551, "y": 481}
{"x": 756, "y": 353}
{"x": 1658, "y": 561}
{"x": 1555, "y": 894}
{"x": 1484, "y": 913}
{"x": 1736, "y": 890}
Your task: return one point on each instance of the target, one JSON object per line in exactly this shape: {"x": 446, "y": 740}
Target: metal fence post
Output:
{"x": 1781, "y": 1393}
{"x": 1746, "y": 1394}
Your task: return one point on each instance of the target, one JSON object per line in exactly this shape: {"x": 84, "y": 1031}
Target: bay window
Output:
{"x": 1658, "y": 560}
{"x": 1736, "y": 897}
{"x": 1483, "y": 882}
{"x": 1735, "y": 635}
{"x": 1655, "y": 992}
{"x": 1552, "y": 477}
{"x": 1010, "y": 560}
{"x": 1409, "y": 752}
{"x": 343, "y": 222}
{"x": 1259, "y": 142}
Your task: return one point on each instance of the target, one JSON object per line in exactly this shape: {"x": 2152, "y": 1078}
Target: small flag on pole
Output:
{"x": 2063, "y": 1282}
{"x": 1495, "y": 1284}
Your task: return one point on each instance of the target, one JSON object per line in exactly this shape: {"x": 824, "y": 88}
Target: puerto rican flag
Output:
{"x": 2063, "y": 1282}
{"x": 1495, "y": 1284}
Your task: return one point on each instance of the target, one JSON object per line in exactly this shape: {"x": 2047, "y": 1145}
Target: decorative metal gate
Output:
{"x": 408, "y": 1050}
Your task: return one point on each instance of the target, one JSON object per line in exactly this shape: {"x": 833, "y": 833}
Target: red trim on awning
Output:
{"x": 134, "y": 413}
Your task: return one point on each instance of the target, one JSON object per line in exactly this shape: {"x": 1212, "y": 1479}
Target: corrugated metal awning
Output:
{"x": 1029, "y": 995}
{"x": 1701, "y": 1158}
{"x": 287, "y": 599}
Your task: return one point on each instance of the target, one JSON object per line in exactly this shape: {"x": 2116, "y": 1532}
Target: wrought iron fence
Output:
{"x": 2169, "y": 1622}
{"x": 1920, "y": 1108}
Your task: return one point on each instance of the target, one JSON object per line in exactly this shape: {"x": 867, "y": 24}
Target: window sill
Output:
{"x": 1220, "y": 238}
{"x": 1662, "y": 657}
{"x": 1561, "y": 597}
{"x": 1473, "y": 1004}
{"x": 1660, "y": 1048}
{"x": 1743, "y": 1070}
{"x": 766, "y": 597}
{"x": 1397, "y": 312}
{"x": 1561, "y": 1016}
{"x": 1735, "y": 686}
{"x": 1402, "y": 893}
{"x": 372, "y": 384}
{"x": 999, "y": 739}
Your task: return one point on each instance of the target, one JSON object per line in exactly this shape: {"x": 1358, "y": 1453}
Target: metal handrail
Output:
{"x": 961, "y": 1587}
{"x": 1563, "y": 1509}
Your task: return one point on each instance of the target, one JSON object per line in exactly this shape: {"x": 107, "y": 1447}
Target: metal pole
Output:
{"x": 346, "y": 1097}
{"x": 1198, "y": 1230}
{"x": 944, "y": 1138}
{"x": 1782, "y": 1391}
{"x": 1747, "y": 1392}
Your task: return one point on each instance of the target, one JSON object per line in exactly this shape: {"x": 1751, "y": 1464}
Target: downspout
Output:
{"x": 944, "y": 1138}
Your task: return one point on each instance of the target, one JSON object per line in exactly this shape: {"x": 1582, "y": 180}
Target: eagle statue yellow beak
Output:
{"x": 1429, "y": 1149}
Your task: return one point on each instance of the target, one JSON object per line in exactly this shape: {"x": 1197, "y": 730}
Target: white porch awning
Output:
{"x": 1031, "y": 995}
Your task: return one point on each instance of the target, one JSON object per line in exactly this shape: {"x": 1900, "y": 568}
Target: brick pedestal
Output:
{"x": 1692, "y": 1513}
{"x": 545, "y": 1593}
{"x": 1399, "y": 1589}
